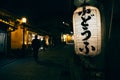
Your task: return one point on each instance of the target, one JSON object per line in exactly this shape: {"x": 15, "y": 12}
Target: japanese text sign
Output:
{"x": 87, "y": 31}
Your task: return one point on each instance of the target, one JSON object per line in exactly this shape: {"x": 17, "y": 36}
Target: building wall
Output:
{"x": 17, "y": 38}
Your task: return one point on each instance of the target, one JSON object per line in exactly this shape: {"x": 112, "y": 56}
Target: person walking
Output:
{"x": 35, "y": 46}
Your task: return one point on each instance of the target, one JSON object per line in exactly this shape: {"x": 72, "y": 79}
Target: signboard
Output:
{"x": 87, "y": 31}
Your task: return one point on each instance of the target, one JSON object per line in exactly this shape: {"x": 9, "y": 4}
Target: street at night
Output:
{"x": 59, "y": 40}
{"x": 53, "y": 64}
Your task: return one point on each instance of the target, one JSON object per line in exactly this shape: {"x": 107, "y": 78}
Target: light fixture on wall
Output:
{"x": 23, "y": 21}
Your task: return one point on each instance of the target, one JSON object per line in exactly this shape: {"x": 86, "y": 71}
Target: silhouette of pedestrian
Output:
{"x": 35, "y": 46}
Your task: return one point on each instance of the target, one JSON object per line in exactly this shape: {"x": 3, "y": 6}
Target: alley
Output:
{"x": 53, "y": 64}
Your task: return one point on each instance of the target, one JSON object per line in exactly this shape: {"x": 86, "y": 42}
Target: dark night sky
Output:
{"x": 36, "y": 10}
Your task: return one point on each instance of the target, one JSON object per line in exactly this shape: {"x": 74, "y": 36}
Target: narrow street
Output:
{"x": 53, "y": 64}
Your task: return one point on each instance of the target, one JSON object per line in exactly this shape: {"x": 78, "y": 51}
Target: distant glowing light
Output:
{"x": 24, "y": 20}
{"x": 63, "y": 37}
{"x": 6, "y": 22}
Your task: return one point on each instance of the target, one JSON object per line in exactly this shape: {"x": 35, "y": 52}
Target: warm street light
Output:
{"x": 23, "y": 21}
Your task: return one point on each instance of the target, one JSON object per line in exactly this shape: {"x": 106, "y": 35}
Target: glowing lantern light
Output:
{"x": 87, "y": 31}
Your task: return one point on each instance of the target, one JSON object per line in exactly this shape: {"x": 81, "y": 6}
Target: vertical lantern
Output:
{"x": 87, "y": 31}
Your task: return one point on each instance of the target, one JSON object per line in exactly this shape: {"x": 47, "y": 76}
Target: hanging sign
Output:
{"x": 87, "y": 31}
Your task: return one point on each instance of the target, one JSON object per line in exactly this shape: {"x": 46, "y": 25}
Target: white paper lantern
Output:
{"x": 87, "y": 31}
